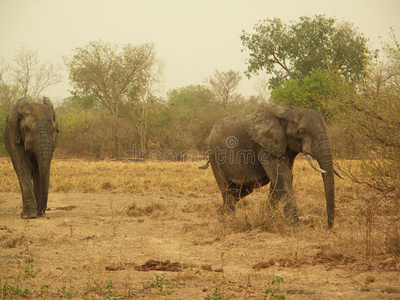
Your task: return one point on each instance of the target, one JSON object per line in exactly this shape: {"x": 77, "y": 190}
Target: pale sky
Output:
{"x": 193, "y": 38}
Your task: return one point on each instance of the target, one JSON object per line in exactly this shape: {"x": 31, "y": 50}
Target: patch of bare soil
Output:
{"x": 157, "y": 246}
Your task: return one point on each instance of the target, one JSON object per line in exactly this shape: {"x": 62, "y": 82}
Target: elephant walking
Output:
{"x": 248, "y": 151}
{"x": 30, "y": 137}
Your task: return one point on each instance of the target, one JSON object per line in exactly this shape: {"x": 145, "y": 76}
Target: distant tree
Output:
{"x": 138, "y": 112}
{"x": 111, "y": 77}
{"x": 191, "y": 113}
{"x": 319, "y": 91}
{"x": 31, "y": 77}
{"x": 224, "y": 85}
{"x": 392, "y": 52}
{"x": 9, "y": 94}
{"x": 194, "y": 96}
{"x": 295, "y": 51}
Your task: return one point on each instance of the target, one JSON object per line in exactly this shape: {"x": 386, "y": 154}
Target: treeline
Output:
{"x": 173, "y": 126}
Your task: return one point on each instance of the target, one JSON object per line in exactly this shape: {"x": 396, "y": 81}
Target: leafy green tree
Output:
{"x": 191, "y": 96}
{"x": 111, "y": 77}
{"x": 191, "y": 113}
{"x": 320, "y": 91}
{"x": 296, "y": 50}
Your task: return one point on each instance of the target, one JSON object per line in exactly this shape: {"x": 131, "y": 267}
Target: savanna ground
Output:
{"x": 118, "y": 230}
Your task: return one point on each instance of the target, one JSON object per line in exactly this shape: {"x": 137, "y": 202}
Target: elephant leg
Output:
{"x": 281, "y": 176}
{"x": 23, "y": 169}
{"x": 232, "y": 193}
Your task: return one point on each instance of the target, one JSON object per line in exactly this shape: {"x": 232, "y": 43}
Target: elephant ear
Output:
{"x": 14, "y": 118}
{"x": 266, "y": 129}
{"x": 49, "y": 104}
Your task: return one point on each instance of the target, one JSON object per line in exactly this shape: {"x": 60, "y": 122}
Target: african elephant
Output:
{"x": 248, "y": 151}
{"x": 30, "y": 137}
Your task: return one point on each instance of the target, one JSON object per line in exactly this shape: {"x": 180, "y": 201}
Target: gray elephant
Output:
{"x": 30, "y": 137}
{"x": 248, "y": 151}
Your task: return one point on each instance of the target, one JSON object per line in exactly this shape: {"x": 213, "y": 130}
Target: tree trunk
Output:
{"x": 116, "y": 138}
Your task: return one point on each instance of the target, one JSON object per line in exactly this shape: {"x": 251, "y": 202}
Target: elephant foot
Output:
{"x": 41, "y": 212}
{"x": 29, "y": 214}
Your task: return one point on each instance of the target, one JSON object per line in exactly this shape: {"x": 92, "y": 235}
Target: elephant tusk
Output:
{"x": 313, "y": 164}
{"x": 337, "y": 173}
{"x": 205, "y": 166}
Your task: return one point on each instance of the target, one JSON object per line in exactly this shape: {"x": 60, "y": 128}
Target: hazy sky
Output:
{"x": 193, "y": 37}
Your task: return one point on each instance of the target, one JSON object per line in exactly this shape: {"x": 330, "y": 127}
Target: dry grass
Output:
{"x": 119, "y": 177}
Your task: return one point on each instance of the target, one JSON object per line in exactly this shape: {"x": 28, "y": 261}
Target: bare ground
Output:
{"x": 156, "y": 245}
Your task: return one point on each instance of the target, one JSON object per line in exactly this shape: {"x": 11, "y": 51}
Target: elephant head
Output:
{"x": 279, "y": 129}
{"x": 30, "y": 137}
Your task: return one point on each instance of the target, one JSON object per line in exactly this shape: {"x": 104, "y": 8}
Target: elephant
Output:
{"x": 247, "y": 151}
{"x": 30, "y": 137}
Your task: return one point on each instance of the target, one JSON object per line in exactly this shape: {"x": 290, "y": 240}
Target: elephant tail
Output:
{"x": 205, "y": 166}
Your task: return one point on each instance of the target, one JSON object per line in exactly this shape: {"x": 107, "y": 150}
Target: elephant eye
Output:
{"x": 301, "y": 132}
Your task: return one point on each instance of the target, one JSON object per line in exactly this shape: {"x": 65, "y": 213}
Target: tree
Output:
{"x": 9, "y": 93}
{"x": 319, "y": 91}
{"x": 295, "y": 51}
{"x": 138, "y": 112}
{"x": 31, "y": 76}
{"x": 111, "y": 76}
{"x": 224, "y": 84}
{"x": 191, "y": 113}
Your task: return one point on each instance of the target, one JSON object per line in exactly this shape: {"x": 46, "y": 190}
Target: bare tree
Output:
{"x": 138, "y": 112}
{"x": 31, "y": 76}
{"x": 113, "y": 77}
{"x": 224, "y": 84}
{"x": 261, "y": 87}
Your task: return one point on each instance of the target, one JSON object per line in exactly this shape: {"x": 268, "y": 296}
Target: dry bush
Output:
{"x": 154, "y": 210}
{"x": 370, "y": 120}
{"x": 254, "y": 213}
{"x": 89, "y": 132}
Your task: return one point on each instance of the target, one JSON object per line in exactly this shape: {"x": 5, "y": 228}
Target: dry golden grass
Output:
{"x": 119, "y": 177}
{"x": 184, "y": 178}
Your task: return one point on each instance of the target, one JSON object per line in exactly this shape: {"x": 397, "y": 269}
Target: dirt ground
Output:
{"x": 159, "y": 246}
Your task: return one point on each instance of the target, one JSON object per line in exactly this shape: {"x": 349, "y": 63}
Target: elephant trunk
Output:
{"x": 323, "y": 154}
{"x": 43, "y": 153}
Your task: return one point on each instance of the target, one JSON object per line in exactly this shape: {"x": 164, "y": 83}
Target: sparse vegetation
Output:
{"x": 274, "y": 288}
{"x": 163, "y": 286}
{"x": 67, "y": 292}
{"x": 11, "y": 291}
{"x": 30, "y": 271}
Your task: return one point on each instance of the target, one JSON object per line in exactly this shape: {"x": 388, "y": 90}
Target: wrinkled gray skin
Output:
{"x": 256, "y": 149}
{"x": 30, "y": 137}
